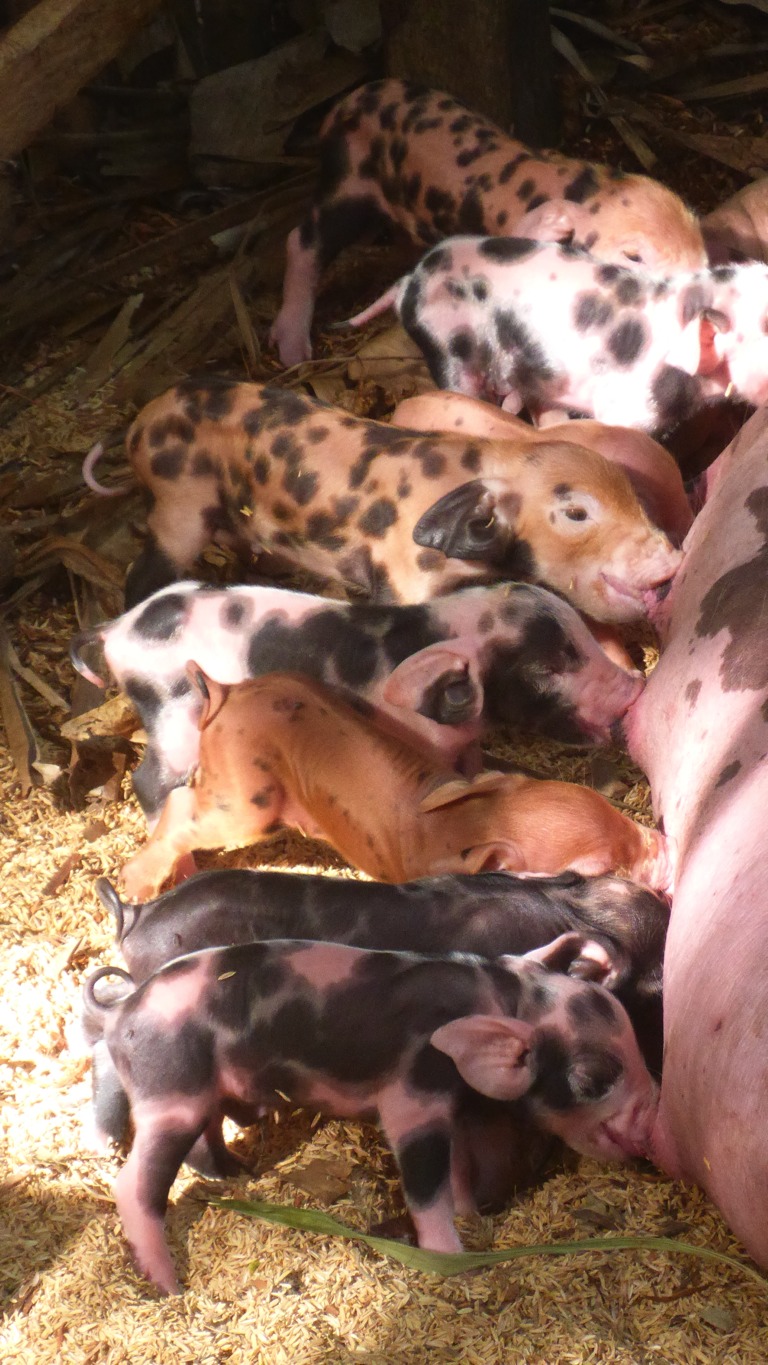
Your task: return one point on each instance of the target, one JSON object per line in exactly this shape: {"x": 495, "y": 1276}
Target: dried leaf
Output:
{"x": 62, "y": 873}
{"x": 77, "y": 557}
{"x": 38, "y": 492}
{"x": 756, "y": 4}
{"x": 744, "y": 85}
{"x": 636, "y": 145}
{"x": 244, "y": 321}
{"x": 242, "y": 112}
{"x": 746, "y": 154}
{"x": 65, "y": 956}
{"x": 325, "y": 1178}
{"x": 100, "y": 364}
{"x": 18, "y": 729}
{"x": 29, "y": 675}
{"x": 722, "y": 1319}
{"x": 601, "y": 30}
{"x": 592, "y": 1219}
{"x": 48, "y": 772}
{"x": 111, "y": 718}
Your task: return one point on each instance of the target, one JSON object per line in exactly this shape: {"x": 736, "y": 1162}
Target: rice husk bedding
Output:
{"x": 253, "y": 1291}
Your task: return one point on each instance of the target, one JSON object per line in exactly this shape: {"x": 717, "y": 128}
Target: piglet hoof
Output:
{"x": 165, "y": 1284}
{"x": 214, "y": 1162}
{"x": 138, "y": 882}
{"x": 293, "y": 347}
{"x": 92, "y": 1137}
{"x": 399, "y": 1228}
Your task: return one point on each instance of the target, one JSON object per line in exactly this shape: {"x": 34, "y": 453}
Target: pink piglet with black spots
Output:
{"x": 350, "y": 1031}
{"x": 549, "y": 327}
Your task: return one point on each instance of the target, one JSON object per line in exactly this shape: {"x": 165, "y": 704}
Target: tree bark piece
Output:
{"x": 51, "y": 53}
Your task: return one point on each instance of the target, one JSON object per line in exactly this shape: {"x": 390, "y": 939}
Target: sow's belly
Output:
{"x": 700, "y": 731}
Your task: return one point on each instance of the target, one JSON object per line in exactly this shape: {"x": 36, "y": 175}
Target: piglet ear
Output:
{"x": 595, "y": 963}
{"x": 558, "y": 955}
{"x": 500, "y": 855}
{"x": 715, "y": 342}
{"x": 458, "y": 788}
{"x": 212, "y": 694}
{"x": 490, "y": 1053}
{"x": 464, "y": 524}
{"x": 555, "y": 221}
{"x": 440, "y": 682}
{"x": 577, "y": 955}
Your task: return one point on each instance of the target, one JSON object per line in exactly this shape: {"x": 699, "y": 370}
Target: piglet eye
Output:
{"x": 576, "y": 513}
{"x": 457, "y": 698}
{"x": 594, "y": 1074}
{"x": 633, "y": 256}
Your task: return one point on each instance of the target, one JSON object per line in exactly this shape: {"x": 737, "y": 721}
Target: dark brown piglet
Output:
{"x": 356, "y": 1032}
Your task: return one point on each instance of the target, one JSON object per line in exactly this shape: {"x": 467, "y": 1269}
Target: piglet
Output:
{"x": 401, "y": 516}
{"x": 284, "y": 750}
{"x": 738, "y": 229}
{"x": 396, "y": 152}
{"x": 437, "y": 673}
{"x": 652, "y": 471}
{"x": 350, "y": 1031}
{"x": 547, "y": 326}
{"x": 489, "y": 913}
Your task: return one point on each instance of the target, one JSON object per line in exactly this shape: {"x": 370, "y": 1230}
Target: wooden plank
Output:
{"x": 51, "y": 53}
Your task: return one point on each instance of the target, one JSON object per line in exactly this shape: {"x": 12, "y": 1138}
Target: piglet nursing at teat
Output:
{"x": 350, "y": 1031}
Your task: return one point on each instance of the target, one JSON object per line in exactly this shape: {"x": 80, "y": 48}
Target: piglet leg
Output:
{"x": 211, "y": 1157}
{"x": 163, "y": 1139}
{"x": 290, "y": 330}
{"x": 174, "y": 837}
{"x": 419, "y": 1131}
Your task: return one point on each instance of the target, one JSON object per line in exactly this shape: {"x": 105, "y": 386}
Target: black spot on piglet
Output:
{"x": 507, "y": 248}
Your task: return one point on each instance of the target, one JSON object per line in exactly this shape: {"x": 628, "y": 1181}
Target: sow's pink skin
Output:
{"x": 548, "y": 327}
{"x": 438, "y": 673}
{"x": 701, "y": 733}
{"x": 393, "y": 151}
{"x": 652, "y": 471}
{"x": 284, "y": 750}
{"x": 355, "y": 1032}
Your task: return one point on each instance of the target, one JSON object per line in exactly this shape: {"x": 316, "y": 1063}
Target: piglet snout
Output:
{"x": 631, "y": 1133}
{"x": 603, "y": 703}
